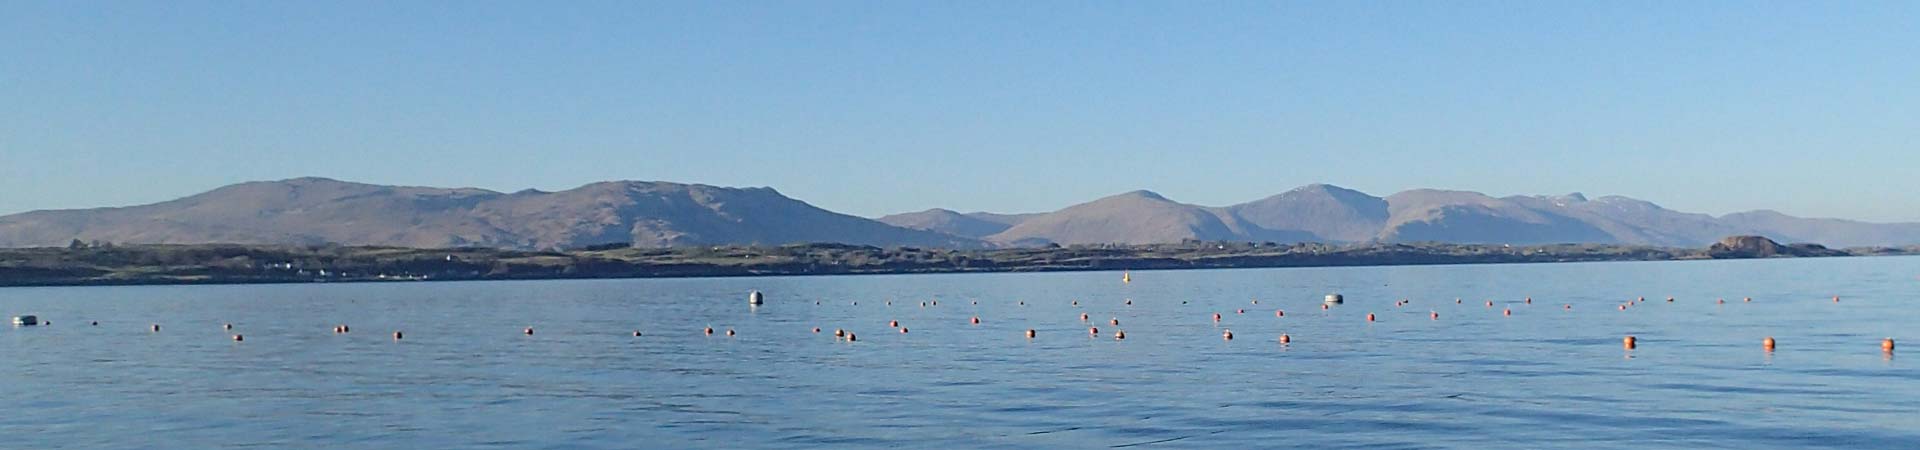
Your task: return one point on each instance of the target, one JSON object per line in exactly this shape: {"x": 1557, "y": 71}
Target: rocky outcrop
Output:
{"x": 1736, "y": 247}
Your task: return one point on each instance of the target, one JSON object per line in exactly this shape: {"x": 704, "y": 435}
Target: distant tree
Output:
{"x": 76, "y": 245}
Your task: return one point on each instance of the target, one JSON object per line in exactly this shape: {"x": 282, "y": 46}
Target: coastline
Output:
{"x": 222, "y": 264}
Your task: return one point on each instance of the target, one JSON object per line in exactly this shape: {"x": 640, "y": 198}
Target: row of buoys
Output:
{"x": 1769, "y": 343}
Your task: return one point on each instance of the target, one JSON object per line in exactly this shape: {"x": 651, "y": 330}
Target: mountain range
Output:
{"x": 662, "y": 214}
{"x": 1327, "y": 213}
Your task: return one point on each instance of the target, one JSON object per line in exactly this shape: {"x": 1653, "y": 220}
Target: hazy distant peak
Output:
{"x": 1759, "y": 213}
{"x": 1573, "y": 197}
{"x": 1141, "y": 194}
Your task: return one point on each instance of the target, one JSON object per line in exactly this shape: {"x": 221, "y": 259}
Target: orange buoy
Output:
{"x": 839, "y": 333}
{"x": 976, "y": 320}
{"x": 1456, "y": 300}
{"x": 893, "y": 323}
{"x": 1094, "y": 331}
{"x": 1641, "y": 299}
{"x": 1115, "y": 321}
{"x": 1119, "y": 334}
{"x": 850, "y": 337}
{"x": 1216, "y": 317}
{"x": 636, "y": 333}
{"x": 1629, "y": 342}
{"x": 1083, "y": 317}
{"x": 529, "y": 331}
{"x": 1747, "y": 300}
{"x": 229, "y": 326}
{"x": 1836, "y": 299}
{"x": 1129, "y": 302}
{"x": 1323, "y": 307}
{"x": 815, "y": 329}
{"x": 1623, "y": 307}
{"x": 729, "y": 331}
{"x": 1489, "y": 303}
{"x": 1030, "y": 333}
{"x": 1720, "y": 301}
{"x": 1767, "y": 343}
{"x": 1669, "y": 300}
{"x": 397, "y": 335}
{"x": 346, "y": 329}
{"x": 1529, "y": 300}
{"x": 1887, "y": 344}
{"x": 1241, "y": 311}
{"x": 1279, "y": 313}
{"x": 1285, "y": 338}
{"x": 934, "y": 303}
{"x": 903, "y": 331}
{"x": 1369, "y": 317}
{"x": 1076, "y": 303}
{"x": 238, "y": 338}
{"x": 709, "y": 331}
{"x": 156, "y": 328}
{"x": 1508, "y": 311}
{"x": 1434, "y": 314}
{"x": 1256, "y": 301}
{"x": 1228, "y": 335}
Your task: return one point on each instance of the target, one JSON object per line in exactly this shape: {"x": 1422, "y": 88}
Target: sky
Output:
{"x": 870, "y": 108}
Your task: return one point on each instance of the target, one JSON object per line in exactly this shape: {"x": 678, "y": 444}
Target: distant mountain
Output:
{"x": 1831, "y": 232}
{"x": 975, "y": 225}
{"x": 1330, "y": 213}
{"x": 661, "y": 214}
{"x": 1327, "y": 213}
{"x": 318, "y": 210}
{"x": 1472, "y": 217}
{"x": 1137, "y": 217}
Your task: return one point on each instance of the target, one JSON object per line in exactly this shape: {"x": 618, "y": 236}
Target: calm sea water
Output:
{"x": 465, "y": 375}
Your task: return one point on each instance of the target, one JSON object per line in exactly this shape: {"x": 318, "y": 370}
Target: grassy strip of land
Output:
{"x": 225, "y": 264}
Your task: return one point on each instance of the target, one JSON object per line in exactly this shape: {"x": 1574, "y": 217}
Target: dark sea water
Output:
{"x": 466, "y": 377}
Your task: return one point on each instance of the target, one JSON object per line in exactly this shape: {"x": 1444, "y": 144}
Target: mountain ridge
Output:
{"x": 316, "y": 210}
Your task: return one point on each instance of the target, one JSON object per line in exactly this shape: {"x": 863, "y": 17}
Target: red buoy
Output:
{"x": 1629, "y": 342}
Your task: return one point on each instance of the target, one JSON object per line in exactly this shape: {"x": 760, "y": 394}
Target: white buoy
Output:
{"x": 1336, "y": 298}
{"x": 26, "y": 321}
{"x": 754, "y": 298}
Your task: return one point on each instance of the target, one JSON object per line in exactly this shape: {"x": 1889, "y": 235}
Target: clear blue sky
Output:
{"x": 1812, "y": 108}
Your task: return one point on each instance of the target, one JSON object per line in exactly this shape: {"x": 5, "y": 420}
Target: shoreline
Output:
{"x": 222, "y": 264}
